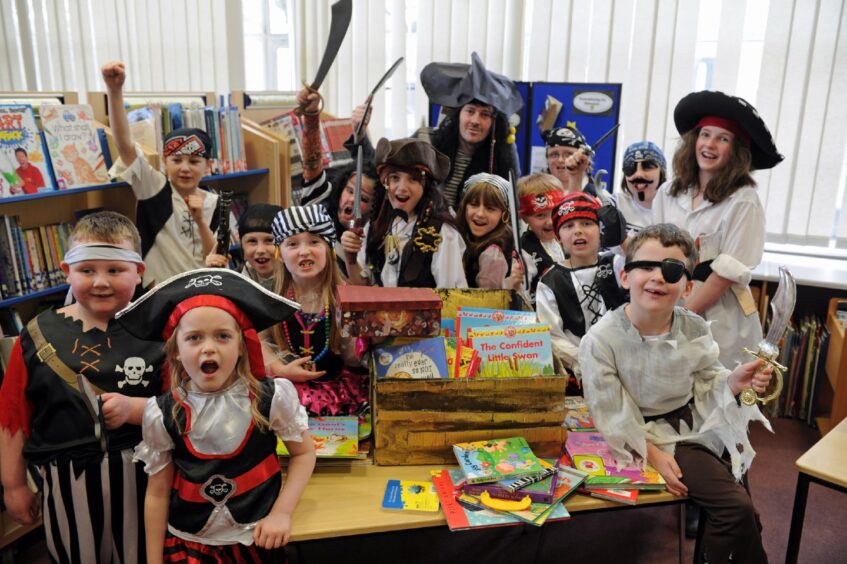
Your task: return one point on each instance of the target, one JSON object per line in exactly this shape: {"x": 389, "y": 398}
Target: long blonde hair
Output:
{"x": 330, "y": 279}
{"x": 179, "y": 378}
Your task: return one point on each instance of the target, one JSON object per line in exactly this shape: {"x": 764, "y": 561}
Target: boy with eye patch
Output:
{"x": 659, "y": 393}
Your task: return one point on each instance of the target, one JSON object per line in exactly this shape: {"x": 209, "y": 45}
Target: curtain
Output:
{"x": 167, "y": 45}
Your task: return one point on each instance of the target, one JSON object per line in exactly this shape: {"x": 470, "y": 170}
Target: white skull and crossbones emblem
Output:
{"x": 205, "y": 280}
{"x": 134, "y": 369}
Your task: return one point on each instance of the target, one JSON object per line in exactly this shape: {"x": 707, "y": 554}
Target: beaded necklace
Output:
{"x": 308, "y": 348}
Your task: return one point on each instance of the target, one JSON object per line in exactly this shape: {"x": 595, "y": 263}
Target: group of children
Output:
{"x": 91, "y": 390}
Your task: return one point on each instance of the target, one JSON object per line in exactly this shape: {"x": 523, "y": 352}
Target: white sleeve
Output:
{"x": 565, "y": 344}
{"x": 659, "y": 202}
{"x": 145, "y": 180}
{"x": 742, "y": 241}
{"x": 447, "y": 267}
{"x": 615, "y": 413}
{"x": 492, "y": 268}
{"x": 288, "y": 418}
{"x": 361, "y": 258}
{"x": 156, "y": 447}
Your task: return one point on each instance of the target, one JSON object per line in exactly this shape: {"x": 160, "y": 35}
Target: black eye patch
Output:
{"x": 672, "y": 269}
{"x": 630, "y": 168}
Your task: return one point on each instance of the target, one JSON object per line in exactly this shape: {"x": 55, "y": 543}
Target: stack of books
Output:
{"x": 501, "y": 482}
{"x": 589, "y": 452}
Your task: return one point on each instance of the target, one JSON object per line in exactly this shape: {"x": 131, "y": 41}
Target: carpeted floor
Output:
{"x": 647, "y": 535}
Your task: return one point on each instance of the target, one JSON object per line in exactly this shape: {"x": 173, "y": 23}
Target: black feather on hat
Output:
{"x": 455, "y": 84}
{"x": 698, "y": 105}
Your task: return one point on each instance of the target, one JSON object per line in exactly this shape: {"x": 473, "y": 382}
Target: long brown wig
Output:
{"x": 733, "y": 176}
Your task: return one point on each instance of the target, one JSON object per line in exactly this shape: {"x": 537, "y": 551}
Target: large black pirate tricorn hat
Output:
{"x": 455, "y": 84}
{"x": 150, "y": 316}
{"x": 698, "y": 105}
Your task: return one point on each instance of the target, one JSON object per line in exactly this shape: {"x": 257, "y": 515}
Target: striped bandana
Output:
{"x": 298, "y": 219}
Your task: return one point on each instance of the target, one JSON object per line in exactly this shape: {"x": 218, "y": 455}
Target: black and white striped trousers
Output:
{"x": 97, "y": 517}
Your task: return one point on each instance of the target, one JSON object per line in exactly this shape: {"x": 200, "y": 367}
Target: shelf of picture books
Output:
{"x": 830, "y": 384}
{"x": 246, "y": 158}
{"x": 274, "y": 111}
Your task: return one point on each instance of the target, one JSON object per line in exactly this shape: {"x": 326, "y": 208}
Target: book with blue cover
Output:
{"x": 426, "y": 358}
{"x": 410, "y": 495}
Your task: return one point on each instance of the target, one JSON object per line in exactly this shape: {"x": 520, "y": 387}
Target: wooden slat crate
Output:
{"x": 418, "y": 421}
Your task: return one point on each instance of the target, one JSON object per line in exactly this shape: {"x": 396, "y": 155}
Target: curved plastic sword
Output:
{"x": 342, "y": 12}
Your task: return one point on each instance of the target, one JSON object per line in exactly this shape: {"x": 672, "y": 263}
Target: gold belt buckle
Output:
{"x": 46, "y": 352}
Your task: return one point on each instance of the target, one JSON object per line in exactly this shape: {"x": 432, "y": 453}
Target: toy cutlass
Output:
{"x": 782, "y": 306}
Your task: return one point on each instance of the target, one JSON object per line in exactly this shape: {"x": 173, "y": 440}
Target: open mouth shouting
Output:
{"x": 209, "y": 367}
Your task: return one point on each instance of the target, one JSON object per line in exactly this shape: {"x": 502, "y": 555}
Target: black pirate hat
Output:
{"x": 711, "y": 104}
{"x": 455, "y": 84}
{"x": 155, "y": 315}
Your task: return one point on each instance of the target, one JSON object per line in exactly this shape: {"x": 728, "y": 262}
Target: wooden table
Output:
{"x": 346, "y": 501}
{"x": 825, "y": 464}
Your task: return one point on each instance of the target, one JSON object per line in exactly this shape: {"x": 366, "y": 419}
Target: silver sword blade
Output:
{"x": 782, "y": 306}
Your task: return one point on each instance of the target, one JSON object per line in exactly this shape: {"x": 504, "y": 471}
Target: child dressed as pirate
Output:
{"x": 573, "y": 296}
{"x": 176, "y": 217}
{"x": 72, "y": 401}
{"x": 413, "y": 241}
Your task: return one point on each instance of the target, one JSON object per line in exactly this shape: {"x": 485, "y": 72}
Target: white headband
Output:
{"x": 101, "y": 252}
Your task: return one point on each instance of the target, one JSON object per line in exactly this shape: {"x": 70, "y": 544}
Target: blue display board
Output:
{"x": 593, "y": 108}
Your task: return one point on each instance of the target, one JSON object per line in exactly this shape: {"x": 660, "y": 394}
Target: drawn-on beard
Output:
{"x": 645, "y": 182}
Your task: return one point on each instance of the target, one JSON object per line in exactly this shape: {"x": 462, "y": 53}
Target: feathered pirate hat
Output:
{"x": 155, "y": 315}
{"x": 455, "y": 84}
{"x": 734, "y": 114}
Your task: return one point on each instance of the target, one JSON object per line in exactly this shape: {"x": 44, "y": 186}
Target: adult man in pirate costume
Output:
{"x": 475, "y": 135}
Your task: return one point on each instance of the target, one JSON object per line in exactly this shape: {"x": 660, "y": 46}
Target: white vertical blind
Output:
{"x": 168, "y": 45}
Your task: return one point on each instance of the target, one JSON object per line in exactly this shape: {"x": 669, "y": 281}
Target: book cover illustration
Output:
{"x": 540, "y": 491}
{"x": 629, "y": 497}
{"x": 466, "y": 363}
{"x": 426, "y": 358}
{"x": 513, "y": 351}
{"x": 74, "y": 145}
{"x": 536, "y": 514}
{"x": 23, "y": 161}
{"x": 410, "y": 495}
{"x": 496, "y": 459}
{"x": 590, "y": 453}
{"x": 577, "y": 416}
{"x": 475, "y": 317}
{"x": 334, "y": 437}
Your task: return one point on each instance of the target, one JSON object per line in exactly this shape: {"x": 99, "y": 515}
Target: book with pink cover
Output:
{"x": 590, "y": 453}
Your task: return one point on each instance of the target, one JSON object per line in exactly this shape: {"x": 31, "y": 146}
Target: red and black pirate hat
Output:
{"x": 699, "y": 105}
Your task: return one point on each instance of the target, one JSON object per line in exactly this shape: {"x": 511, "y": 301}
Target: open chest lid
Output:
{"x": 375, "y": 298}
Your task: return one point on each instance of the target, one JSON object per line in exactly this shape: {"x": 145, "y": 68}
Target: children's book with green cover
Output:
{"x": 513, "y": 351}
{"x": 497, "y": 459}
{"x": 410, "y": 495}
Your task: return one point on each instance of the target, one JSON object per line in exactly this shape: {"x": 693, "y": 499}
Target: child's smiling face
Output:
{"x": 648, "y": 289}
{"x": 482, "y": 218}
{"x": 581, "y": 240}
{"x": 404, "y": 190}
{"x": 259, "y": 250}
{"x": 541, "y": 224}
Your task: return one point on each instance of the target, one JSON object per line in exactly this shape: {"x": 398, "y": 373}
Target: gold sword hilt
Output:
{"x": 749, "y": 395}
